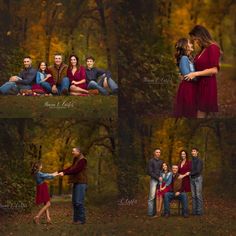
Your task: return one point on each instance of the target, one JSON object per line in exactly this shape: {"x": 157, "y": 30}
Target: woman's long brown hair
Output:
{"x": 77, "y": 59}
{"x": 200, "y": 33}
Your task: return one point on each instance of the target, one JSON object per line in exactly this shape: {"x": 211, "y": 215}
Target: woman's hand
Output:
{"x": 190, "y": 76}
{"x": 163, "y": 188}
{"x": 181, "y": 176}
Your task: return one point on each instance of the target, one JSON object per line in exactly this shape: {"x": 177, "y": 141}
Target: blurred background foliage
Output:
{"x": 41, "y": 28}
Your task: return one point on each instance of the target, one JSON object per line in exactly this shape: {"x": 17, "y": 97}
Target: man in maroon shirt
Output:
{"x": 78, "y": 177}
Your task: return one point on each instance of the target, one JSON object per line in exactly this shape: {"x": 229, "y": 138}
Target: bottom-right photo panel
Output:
{"x": 180, "y": 175}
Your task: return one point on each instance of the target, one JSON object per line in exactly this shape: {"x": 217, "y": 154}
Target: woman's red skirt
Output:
{"x": 161, "y": 193}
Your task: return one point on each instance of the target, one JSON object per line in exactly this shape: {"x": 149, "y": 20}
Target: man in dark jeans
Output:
{"x": 176, "y": 193}
{"x": 24, "y": 80}
{"x": 154, "y": 170}
{"x": 196, "y": 183}
{"x": 78, "y": 177}
{"x": 99, "y": 79}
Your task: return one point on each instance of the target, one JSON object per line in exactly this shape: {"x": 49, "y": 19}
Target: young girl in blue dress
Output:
{"x": 42, "y": 195}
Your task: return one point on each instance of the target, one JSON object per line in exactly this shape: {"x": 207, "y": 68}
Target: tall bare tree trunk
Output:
{"x": 100, "y": 5}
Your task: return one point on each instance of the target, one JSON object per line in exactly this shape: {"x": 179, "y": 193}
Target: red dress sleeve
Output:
{"x": 82, "y": 73}
{"x": 214, "y": 56}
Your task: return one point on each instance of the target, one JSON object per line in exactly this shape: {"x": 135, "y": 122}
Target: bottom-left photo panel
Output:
{"x": 56, "y": 174}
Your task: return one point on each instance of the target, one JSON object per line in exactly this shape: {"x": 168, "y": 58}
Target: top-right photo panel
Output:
{"x": 177, "y": 58}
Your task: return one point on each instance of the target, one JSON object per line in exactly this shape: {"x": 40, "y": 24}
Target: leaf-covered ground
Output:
{"x": 113, "y": 218}
{"x": 57, "y": 107}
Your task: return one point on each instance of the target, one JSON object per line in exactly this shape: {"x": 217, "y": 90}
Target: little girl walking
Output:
{"x": 42, "y": 195}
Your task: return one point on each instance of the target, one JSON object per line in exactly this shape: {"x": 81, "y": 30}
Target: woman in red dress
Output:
{"x": 184, "y": 171}
{"x": 77, "y": 76}
{"x": 207, "y": 66}
{"x": 42, "y": 195}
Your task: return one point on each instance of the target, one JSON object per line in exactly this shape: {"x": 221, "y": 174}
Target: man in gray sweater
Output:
{"x": 24, "y": 80}
{"x": 154, "y": 171}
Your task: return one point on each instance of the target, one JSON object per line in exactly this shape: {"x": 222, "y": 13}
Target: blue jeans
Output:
{"x": 152, "y": 197}
{"x": 95, "y": 85}
{"x": 197, "y": 201}
{"x": 65, "y": 84}
{"x": 46, "y": 86}
{"x": 78, "y": 196}
{"x": 6, "y": 87}
{"x": 111, "y": 83}
{"x": 182, "y": 197}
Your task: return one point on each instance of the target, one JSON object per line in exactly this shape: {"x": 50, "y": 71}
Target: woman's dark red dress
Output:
{"x": 79, "y": 75}
{"x": 186, "y": 180}
{"x": 207, "y": 86}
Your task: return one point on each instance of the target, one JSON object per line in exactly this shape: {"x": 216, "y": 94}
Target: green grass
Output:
{"x": 111, "y": 219}
{"x": 58, "y": 107}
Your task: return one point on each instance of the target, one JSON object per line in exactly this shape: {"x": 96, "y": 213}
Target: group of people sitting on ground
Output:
{"x": 60, "y": 79}
{"x": 167, "y": 185}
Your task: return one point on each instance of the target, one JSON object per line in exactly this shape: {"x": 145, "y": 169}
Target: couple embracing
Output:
{"x": 197, "y": 93}
{"x": 166, "y": 185}
{"x": 77, "y": 173}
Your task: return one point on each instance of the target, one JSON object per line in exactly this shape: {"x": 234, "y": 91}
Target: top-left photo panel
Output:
{"x": 58, "y": 58}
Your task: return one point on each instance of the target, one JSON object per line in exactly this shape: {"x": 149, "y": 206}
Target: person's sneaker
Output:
{"x": 185, "y": 215}
{"x": 93, "y": 92}
{"x": 65, "y": 92}
{"x": 199, "y": 214}
{"x": 114, "y": 92}
{"x": 155, "y": 216}
{"x": 166, "y": 215}
{"x": 78, "y": 223}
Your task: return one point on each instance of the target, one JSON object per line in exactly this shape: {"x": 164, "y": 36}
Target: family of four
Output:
{"x": 166, "y": 185}
{"x": 61, "y": 79}
{"x": 77, "y": 173}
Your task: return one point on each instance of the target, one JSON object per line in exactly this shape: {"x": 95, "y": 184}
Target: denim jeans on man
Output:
{"x": 46, "y": 86}
{"x": 182, "y": 197}
{"x": 196, "y": 189}
{"x": 152, "y": 197}
{"x": 7, "y": 87}
{"x": 65, "y": 84}
{"x": 99, "y": 86}
{"x": 78, "y": 196}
